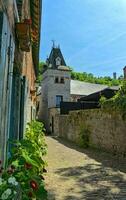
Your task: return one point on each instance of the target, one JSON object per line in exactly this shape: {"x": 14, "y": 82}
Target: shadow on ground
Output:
{"x": 51, "y": 195}
{"x": 103, "y": 181}
{"x": 97, "y": 184}
{"x": 106, "y": 159}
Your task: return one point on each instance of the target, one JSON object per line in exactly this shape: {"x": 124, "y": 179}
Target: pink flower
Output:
{"x": 28, "y": 166}
{"x": 33, "y": 185}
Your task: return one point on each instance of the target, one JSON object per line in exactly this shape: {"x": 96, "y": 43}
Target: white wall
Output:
{"x": 58, "y": 88}
{"x": 50, "y": 90}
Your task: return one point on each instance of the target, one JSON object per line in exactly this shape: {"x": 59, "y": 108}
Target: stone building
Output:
{"x": 19, "y": 52}
{"x": 57, "y": 86}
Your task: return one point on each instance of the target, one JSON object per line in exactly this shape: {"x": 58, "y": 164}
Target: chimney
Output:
{"x": 124, "y": 71}
{"x": 114, "y": 75}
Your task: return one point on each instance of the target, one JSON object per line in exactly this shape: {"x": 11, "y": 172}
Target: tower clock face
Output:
{"x": 58, "y": 61}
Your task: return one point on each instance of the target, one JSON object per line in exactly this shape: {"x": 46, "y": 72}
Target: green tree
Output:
{"x": 40, "y": 70}
{"x": 89, "y": 77}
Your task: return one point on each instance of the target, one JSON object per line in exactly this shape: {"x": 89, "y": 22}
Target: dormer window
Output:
{"x": 58, "y": 61}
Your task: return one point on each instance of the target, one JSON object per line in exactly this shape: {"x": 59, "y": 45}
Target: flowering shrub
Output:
{"x": 8, "y": 184}
{"x": 28, "y": 166}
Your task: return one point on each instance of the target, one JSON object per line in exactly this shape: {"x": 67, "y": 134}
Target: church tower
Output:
{"x": 55, "y": 87}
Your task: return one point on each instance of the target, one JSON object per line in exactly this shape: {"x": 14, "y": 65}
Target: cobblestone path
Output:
{"x": 76, "y": 174}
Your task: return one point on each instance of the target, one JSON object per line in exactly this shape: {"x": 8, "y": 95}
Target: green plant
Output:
{"x": 9, "y": 185}
{"x": 41, "y": 67}
{"x": 102, "y": 100}
{"x": 28, "y": 162}
{"x": 88, "y": 77}
{"x": 35, "y": 134}
{"x": 117, "y": 102}
{"x": 84, "y": 137}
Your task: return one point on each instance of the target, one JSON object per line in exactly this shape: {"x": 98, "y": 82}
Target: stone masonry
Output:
{"x": 105, "y": 130}
{"x": 50, "y": 89}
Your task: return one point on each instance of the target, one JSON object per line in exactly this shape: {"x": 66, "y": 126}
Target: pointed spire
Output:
{"x": 53, "y": 41}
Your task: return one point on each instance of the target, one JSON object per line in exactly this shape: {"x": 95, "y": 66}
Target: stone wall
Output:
{"x": 94, "y": 128}
{"x": 54, "y": 121}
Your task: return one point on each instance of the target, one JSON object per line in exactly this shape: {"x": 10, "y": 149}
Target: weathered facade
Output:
{"x": 7, "y": 48}
{"x": 18, "y": 67}
{"x": 55, "y": 88}
{"x": 94, "y": 128}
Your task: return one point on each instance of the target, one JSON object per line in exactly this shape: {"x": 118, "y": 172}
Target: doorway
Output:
{"x": 52, "y": 124}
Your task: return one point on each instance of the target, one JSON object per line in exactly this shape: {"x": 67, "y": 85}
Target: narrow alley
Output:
{"x": 78, "y": 174}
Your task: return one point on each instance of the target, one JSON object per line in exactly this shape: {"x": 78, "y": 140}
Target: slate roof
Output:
{"x": 115, "y": 87}
{"x": 55, "y": 52}
{"x": 84, "y": 88}
{"x": 95, "y": 97}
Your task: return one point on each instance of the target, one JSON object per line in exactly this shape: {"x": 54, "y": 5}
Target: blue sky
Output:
{"x": 91, "y": 34}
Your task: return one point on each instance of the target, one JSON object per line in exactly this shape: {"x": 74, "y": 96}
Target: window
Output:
{"x": 59, "y": 98}
{"x": 62, "y": 80}
{"x": 58, "y": 61}
{"x": 56, "y": 80}
{"x": 59, "y": 80}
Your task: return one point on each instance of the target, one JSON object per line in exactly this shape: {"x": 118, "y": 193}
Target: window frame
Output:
{"x": 56, "y": 79}
{"x": 62, "y": 80}
{"x": 58, "y": 61}
{"x": 59, "y": 98}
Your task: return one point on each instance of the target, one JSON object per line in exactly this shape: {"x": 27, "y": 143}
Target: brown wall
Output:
{"x": 105, "y": 131}
{"x": 29, "y": 72}
{"x": 28, "y": 69}
{"x": 28, "y": 66}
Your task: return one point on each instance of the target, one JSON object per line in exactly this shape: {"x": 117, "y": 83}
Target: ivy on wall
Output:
{"x": 84, "y": 136}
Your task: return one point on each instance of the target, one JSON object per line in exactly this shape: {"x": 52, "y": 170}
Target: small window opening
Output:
{"x": 56, "y": 80}
{"x": 62, "y": 80}
{"x": 58, "y": 61}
